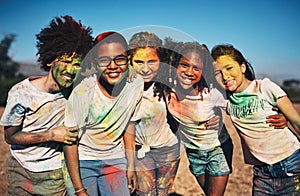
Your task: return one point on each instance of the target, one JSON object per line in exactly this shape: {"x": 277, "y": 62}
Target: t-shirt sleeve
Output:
{"x": 218, "y": 99}
{"x": 15, "y": 108}
{"x": 70, "y": 112}
{"x": 272, "y": 91}
{"x": 137, "y": 114}
{"x": 77, "y": 107}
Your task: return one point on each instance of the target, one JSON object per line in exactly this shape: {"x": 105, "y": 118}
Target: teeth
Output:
{"x": 187, "y": 81}
{"x": 67, "y": 77}
{"x": 113, "y": 75}
{"x": 231, "y": 82}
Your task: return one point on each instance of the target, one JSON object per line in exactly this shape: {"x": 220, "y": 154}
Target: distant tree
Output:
{"x": 8, "y": 67}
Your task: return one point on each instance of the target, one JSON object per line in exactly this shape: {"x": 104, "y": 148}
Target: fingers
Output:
{"x": 278, "y": 125}
{"x": 67, "y": 140}
{"x": 275, "y": 109}
{"x": 72, "y": 131}
{"x": 277, "y": 121}
{"x": 211, "y": 126}
{"x": 71, "y": 135}
{"x": 274, "y": 117}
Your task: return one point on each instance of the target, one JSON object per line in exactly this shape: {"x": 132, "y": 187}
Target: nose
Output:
{"x": 145, "y": 69}
{"x": 225, "y": 76}
{"x": 112, "y": 65}
{"x": 188, "y": 71}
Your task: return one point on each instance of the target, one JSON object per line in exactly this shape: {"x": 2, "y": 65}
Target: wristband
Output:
{"x": 79, "y": 190}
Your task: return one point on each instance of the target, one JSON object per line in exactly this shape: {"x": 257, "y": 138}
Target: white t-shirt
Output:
{"x": 192, "y": 113}
{"x": 35, "y": 111}
{"x": 248, "y": 111}
{"x": 102, "y": 120}
{"x": 152, "y": 129}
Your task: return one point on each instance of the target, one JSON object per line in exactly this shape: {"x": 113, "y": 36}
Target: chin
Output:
{"x": 186, "y": 86}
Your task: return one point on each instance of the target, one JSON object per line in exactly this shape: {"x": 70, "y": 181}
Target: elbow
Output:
{"x": 8, "y": 140}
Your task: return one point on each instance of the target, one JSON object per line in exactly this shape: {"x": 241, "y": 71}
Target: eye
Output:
{"x": 229, "y": 68}
{"x": 76, "y": 66}
{"x": 138, "y": 62}
{"x": 121, "y": 59}
{"x": 184, "y": 65}
{"x": 152, "y": 62}
{"x": 217, "y": 73}
{"x": 197, "y": 68}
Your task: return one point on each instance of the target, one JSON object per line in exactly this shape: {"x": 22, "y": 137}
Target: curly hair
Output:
{"x": 63, "y": 36}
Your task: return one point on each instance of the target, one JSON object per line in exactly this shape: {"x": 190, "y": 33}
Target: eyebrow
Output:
{"x": 138, "y": 61}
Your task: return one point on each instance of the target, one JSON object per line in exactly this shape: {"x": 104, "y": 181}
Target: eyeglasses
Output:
{"x": 105, "y": 61}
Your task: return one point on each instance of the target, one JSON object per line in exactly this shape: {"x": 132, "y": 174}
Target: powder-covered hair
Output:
{"x": 63, "y": 36}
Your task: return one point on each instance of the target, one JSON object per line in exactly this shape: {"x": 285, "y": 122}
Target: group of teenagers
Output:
{"x": 112, "y": 117}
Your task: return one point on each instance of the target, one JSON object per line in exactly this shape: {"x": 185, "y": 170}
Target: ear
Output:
{"x": 52, "y": 63}
{"x": 49, "y": 64}
{"x": 243, "y": 67}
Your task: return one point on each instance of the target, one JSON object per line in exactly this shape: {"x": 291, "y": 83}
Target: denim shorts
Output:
{"x": 281, "y": 178}
{"x": 104, "y": 177}
{"x": 212, "y": 162}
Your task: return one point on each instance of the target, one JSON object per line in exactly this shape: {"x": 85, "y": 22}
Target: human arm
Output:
{"x": 72, "y": 162}
{"x": 129, "y": 142}
{"x": 289, "y": 111}
{"x": 15, "y": 135}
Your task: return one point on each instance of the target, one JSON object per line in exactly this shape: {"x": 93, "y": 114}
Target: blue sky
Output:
{"x": 267, "y": 32}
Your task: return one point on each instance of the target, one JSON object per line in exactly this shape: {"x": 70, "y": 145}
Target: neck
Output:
{"x": 243, "y": 85}
{"x": 192, "y": 91}
{"x": 46, "y": 84}
{"x": 111, "y": 90}
{"x": 147, "y": 85}
{"x": 182, "y": 93}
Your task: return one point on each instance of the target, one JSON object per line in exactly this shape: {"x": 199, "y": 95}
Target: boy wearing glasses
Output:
{"x": 102, "y": 106}
{"x": 34, "y": 114}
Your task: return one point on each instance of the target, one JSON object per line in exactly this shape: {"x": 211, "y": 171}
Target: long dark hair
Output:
{"x": 229, "y": 50}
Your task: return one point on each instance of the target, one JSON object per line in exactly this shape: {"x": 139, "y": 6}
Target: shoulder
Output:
{"x": 22, "y": 85}
{"x": 137, "y": 82}
{"x": 271, "y": 89}
{"x": 266, "y": 81}
{"x": 86, "y": 84}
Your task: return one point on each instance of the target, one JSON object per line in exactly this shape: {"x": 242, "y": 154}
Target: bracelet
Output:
{"x": 79, "y": 190}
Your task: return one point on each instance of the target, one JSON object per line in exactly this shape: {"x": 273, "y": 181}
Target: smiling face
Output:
{"x": 65, "y": 69}
{"x": 229, "y": 74}
{"x": 112, "y": 73}
{"x": 146, "y": 63}
{"x": 189, "y": 70}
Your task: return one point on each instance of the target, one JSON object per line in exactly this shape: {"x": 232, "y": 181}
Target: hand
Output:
{"x": 67, "y": 135}
{"x": 131, "y": 74}
{"x": 131, "y": 176}
{"x": 278, "y": 121}
{"x": 213, "y": 123}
